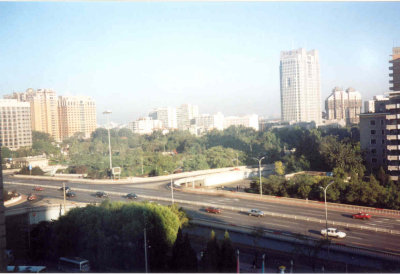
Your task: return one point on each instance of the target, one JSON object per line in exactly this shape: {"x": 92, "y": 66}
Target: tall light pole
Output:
{"x": 109, "y": 139}
{"x": 237, "y": 262}
{"x": 172, "y": 188}
{"x": 326, "y": 207}
{"x": 259, "y": 171}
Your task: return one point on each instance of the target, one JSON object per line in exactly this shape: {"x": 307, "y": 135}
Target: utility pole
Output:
{"x": 326, "y": 207}
{"x": 64, "y": 197}
{"x": 145, "y": 251}
{"x": 172, "y": 191}
{"x": 142, "y": 164}
{"x": 263, "y": 263}
{"x": 109, "y": 139}
{"x": 237, "y": 262}
{"x": 259, "y": 171}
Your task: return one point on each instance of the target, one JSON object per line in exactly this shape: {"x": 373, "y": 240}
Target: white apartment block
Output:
{"x": 246, "y": 121}
{"x": 77, "y": 114}
{"x": 300, "y": 86}
{"x": 145, "y": 125}
{"x": 207, "y": 122}
{"x": 184, "y": 114}
{"x": 166, "y": 115}
{"x": 344, "y": 105}
{"x": 15, "y": 124}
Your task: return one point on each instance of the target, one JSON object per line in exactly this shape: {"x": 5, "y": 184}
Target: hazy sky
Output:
{"x": 131, "y": 57}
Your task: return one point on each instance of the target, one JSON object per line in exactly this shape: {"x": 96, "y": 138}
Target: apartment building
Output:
{"x": 185, "y": 114}
{"x": 246, "y": 121}
{"x": 166, "y": 115}
{"x": 145, "y": 125}
{"x": 207, "y": 122}
{"x": 395, "y": 69}
{"x": 344, "y": 105}
{"x": 300, "y": 86}
{"x": 76, "y": 114}
{"x": 15, "y": 124}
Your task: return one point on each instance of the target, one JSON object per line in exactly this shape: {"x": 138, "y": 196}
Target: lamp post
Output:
{"x": 263, "y": 263}
{"x": 172, "y": 188}
{"x": 237, "y": 262}
{"x": 109, "y": 139}
{"x": 326, "y": 207}
{"x": 259, "y": 171}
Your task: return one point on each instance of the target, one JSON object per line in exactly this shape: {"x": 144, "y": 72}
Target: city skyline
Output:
{"x": 134, "y": 57}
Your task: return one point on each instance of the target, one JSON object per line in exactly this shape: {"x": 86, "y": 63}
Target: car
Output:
{"x": 32, "y": 197}
{"x": 38, "y": 188}
{"x": 70, "y": 194}
{"x": 131, "y": 196}
{"x": 361, "y": 215}
{"x": 256, "y": 212}
{"x": 67, "y": 188}
{"x": 214, "y": 210}
{"x": 101, "y": 194}
{"x": 333, "y": 232}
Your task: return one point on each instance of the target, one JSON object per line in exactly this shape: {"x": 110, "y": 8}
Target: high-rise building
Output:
{"x": 76, "y": 114}
{"x": 300, "y": 86}
{"x": 246, "y": 121}
{"x": 185, "y": 114}
{"x": 206, "y": 122}
{"x": 166, "y": 115}
{"x": 3, "y": 245}
{"x": 395, "y": 69}
{"x": 145, "y": 125}
{"x": 44, "y": 110}
{"x": 344, "y": 105}
{"x": 15, "y": 124}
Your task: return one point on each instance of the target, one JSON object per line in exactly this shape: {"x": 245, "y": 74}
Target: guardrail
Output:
{"x": 244, "y": 209}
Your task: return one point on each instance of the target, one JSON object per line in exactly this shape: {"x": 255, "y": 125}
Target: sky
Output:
{"x": 132, "y": 57}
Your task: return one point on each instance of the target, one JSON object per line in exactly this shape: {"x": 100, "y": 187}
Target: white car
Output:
{"x": 333, "y": 232}
{"x": 256, "y": 212}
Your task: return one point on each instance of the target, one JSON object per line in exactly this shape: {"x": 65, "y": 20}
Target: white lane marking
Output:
{"x": 229, "y": 217}
{"x": 355, "y": 237}
{"x": 280, "y": 225}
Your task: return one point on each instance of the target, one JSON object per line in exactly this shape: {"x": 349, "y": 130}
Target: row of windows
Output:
{"x": 373, "y": 122}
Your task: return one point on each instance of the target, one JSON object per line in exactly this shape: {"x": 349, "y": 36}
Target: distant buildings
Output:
{"x": 15, "y": 124}
{"x": 185, "y": 114}
{"x": 166, "y": 115}
{"x": 395, "y": 69}
{"x": 246, "y": 121}
{"x": 62, "y": 116}
{"x": 300, "y": 86}
{"x": 344, "y": 105}
{"x": 76, "y": 114}
{"x": 145, "y": 125}
{"x": 207, "y": 122}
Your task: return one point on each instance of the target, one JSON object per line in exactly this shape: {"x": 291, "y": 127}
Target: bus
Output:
{"x": 73, "y": 264}
{"x": 26, "y": 269}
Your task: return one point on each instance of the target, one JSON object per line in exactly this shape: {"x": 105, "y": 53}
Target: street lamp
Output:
{"x": 326, "y": 207}
{"x": 109, "y": 139}
{"x": 259, "y": 170}
{"x": 172, "y": 188}
{"x": 237, "y": 262}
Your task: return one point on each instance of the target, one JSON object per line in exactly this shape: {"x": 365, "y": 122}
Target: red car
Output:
{"x": 32, "y": 197}
{"x": 213, "y": 210}
{"x": 362, "y": 215}
{"x": 38, "y": 188}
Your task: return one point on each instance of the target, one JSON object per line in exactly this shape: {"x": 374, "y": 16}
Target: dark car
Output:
{"x": 32, "y": 197}
{"x": 214, "y": 210}
{"x": 101, "y": 194}
{"x": 131, "y": 196}
{"x": 67, "y": 188}
{"x": 70, "y": 194}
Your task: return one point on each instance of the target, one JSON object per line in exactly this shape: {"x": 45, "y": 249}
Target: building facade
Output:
{"x": 76, "y": 114}
{"x": 207, "y": 122}
{"x": 300, "y": 86}
{"x": 166, "y": 115}
{"x": 145, "y": 125}
{"x": 344, "y": 105}
{"x": 395, "y": 70}
{"x": 185, "y": 114}
{"x": 246, "y": 121}
{"x": 15, "y": 124}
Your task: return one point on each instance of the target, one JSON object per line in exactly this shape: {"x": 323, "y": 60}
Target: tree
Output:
{"x": 279, "y": 168}
{"x": 227, "y": 260}
{"x": 211, "y": 255}
{"x": 183, "y": 256}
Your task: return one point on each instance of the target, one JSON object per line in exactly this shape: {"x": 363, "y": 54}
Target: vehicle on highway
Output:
{"x": 38, "y": 188}
{"x": 361, "y": 215}
{"x": 333, "y": 232}
{"x": 32, "y": 197}
{"x": 214, "y": 210}
{"x": 101, "y": 194}
{"x": 70, "y": 194}
{"x": 67, "y": 188}
{"x": 256, "y": 212}
{"x": 73, "y": 264}
{"x": 131, "y": 196}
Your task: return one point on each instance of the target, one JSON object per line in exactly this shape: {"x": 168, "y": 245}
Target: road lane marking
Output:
{"x": 355, "y": 237}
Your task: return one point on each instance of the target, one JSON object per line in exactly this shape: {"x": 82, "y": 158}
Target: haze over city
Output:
{"x": 133, "y": 57}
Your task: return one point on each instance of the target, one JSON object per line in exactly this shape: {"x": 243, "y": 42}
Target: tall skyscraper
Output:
{"x": 15, "y": 124}
{"x": 166, "y": 115}
{"x": 184, "y": 114}
{"x": 344, "y": 105}
{"x": 395, "y": 69}
{"x": 300, "y": 86}
{"x": 77, "y": 114}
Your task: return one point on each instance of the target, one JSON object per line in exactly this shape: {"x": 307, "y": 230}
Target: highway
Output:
{"x": 356, "y": 237}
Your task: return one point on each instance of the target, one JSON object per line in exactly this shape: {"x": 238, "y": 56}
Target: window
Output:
{"x": 373, "y": 151}
{"x": 372, "y": 122}
{"x": 381, "y": 122}
{"x": 373, "y": 132}
{"x": 383, "y": 132}
{"x": 373, "y": 141}
{"x": 383, "y": 141}
{"x": 374, "y": 160}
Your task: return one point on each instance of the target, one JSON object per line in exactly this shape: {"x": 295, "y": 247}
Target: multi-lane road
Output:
{"x": 194, "y": 205}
